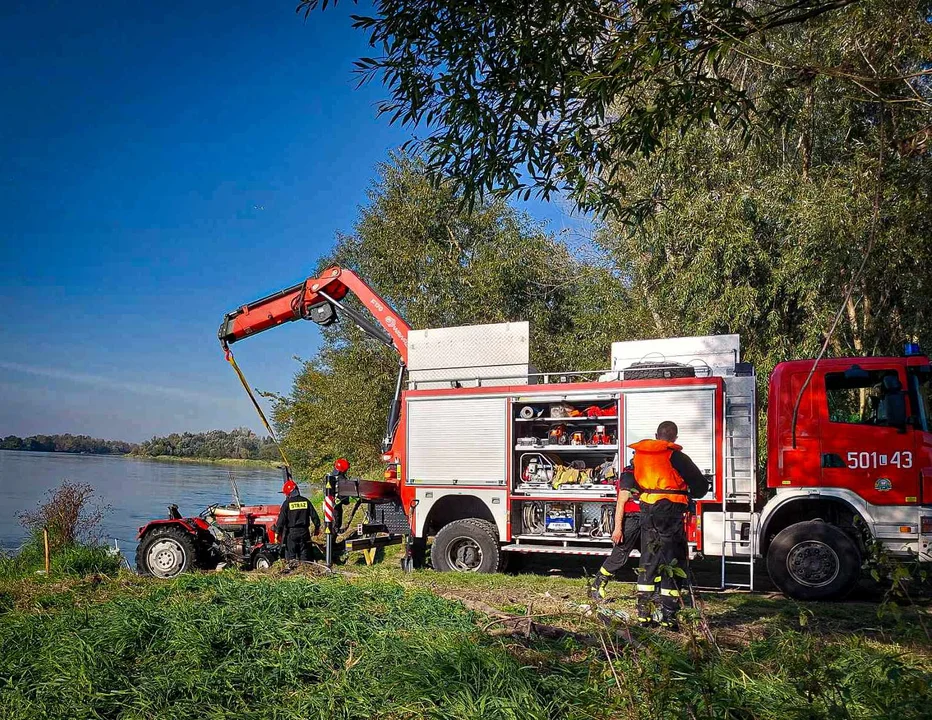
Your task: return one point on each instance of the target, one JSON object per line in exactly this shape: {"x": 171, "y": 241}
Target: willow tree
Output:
{"x": 562, "y": 95}
{"x": 831, "y": 212}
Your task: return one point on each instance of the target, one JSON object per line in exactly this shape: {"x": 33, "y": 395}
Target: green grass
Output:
{"x": 75, "y": 560}
{"x": 382, "y": 644}
{"x": 81, "y": 560}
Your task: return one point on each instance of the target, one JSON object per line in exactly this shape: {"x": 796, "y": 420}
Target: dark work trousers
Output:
{"x": 663, "y": 541}
{"x": 631, "y": 530}
{"x": 297, "y": 545}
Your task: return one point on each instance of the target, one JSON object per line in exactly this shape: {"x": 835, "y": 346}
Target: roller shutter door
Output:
{"x": 693, "y": 411}
{"x": 457, "y": 441}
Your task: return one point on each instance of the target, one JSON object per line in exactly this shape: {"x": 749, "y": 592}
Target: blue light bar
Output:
{"x": 912, "y": 348}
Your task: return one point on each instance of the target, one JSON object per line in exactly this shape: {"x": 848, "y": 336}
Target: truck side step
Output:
{"x": 557, "y": 550}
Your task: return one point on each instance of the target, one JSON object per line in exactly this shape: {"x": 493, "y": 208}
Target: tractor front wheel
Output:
{"x": 264, "y": 559}
{"x": 166, "y": 552}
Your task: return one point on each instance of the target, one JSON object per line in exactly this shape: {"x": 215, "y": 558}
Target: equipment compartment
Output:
{"x": 565, "y": 449}
{"x": 581, "y": 520}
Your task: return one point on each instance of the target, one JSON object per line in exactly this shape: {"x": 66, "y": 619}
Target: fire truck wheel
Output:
{"x": 466, "y": 546}
{"x": 814, "y": 560}
{"x": 165, "y": 552}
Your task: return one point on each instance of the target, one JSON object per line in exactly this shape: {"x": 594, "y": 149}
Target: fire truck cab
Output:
{"x": 856, "y": 457}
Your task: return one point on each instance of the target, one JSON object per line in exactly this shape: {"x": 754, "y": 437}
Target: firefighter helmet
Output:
{"x": 289, "y": 487}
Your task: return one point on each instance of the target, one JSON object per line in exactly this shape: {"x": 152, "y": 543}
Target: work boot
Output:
{"x": 597, "y": 587}
{"x": 668, "y": 620}
{"x": 645, "y": 612}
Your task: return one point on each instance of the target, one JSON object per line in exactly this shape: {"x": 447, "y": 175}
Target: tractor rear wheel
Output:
{"x": 165, "y": 552}
{"x": 469, "y": 545}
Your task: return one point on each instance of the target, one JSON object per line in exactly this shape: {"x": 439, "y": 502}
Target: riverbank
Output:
{"x": 525, "y": 647}
{"x": 231, "y": 462}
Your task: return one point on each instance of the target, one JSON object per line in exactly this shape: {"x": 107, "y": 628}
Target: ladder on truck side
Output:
{"x": 739, "y": 483}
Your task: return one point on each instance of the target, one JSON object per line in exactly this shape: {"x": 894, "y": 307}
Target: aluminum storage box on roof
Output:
{"x": 470, "y": 355}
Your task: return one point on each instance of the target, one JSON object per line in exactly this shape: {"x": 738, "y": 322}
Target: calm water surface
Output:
{"x": 137, "y": 490}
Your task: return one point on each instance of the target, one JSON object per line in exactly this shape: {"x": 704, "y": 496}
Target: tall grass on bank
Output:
{"x": 74, "y": 559}
{"x": 226, "y": 646}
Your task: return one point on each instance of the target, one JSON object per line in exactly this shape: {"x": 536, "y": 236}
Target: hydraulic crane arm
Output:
{"x": 320, "y": 299}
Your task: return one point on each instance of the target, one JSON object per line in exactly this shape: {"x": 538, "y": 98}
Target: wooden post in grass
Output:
{"x": 45, "y": 537}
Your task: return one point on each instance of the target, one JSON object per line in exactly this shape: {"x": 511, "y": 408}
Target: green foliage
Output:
{"x": 22, "y": 563}
{"x": 765, "y": 240}
{"x": 66, "y": 443}
{"x": 71, "y": 519}
{"x": 240, "y": 443}
{"x": 441, "y": 266}
{"x": 75, "y": 559}
{"x": 81, "y": 560}
{"x": 562, "y": 96}
{"x": 227, "y": 646}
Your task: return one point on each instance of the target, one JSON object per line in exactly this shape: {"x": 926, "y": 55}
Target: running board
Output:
{"x": 555, "y": 550}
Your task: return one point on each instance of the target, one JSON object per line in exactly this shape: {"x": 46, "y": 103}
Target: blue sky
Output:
{"x": 159, "y": 166}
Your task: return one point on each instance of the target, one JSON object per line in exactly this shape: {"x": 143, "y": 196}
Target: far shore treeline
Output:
{"x": 67, "y": 443}
{"x": 239, "y": 443}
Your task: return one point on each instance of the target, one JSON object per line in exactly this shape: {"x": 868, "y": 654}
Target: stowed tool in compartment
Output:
{"x": 593, "y": 520}
{"x": 538, "y": 471}
{"x": 560, "y": 518}
{"x": 542, "y": 472}
{"x": 530, "y": 411}
{"x": 557, "y": 435}
{"x": 601, "y": 437}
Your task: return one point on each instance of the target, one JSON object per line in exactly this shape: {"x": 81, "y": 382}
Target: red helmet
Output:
{"x": 341, "y": 465}
{"x": 289, "y": 486}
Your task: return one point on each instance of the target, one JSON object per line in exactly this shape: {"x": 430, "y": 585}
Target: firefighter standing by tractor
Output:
{"x": 294, "y": 521}
{"x": 666, "y": 478}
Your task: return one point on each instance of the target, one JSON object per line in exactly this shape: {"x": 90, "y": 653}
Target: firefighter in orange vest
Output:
{"x": 664, "y": 474}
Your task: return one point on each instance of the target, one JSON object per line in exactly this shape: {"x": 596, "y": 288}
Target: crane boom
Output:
{"x": 319, "y": 299}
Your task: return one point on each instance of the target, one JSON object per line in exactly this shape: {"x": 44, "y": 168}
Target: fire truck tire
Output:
{"x": 166, "y": 552}
{"x": 814, "y": 560}
{"x": 468, "y": 545}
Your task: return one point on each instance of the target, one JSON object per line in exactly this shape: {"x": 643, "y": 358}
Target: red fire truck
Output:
{"x": 488, "y": 457}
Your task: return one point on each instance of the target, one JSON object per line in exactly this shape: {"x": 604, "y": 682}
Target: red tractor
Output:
{"x": 234, "y": 534}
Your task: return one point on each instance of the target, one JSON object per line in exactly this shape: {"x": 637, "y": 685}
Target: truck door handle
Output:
{"x": 833, "y": 460}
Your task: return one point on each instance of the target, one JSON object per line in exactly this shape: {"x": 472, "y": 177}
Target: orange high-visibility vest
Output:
{"x": 654, "y": 472}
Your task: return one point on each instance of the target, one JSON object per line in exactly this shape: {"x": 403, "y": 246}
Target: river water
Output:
{"x": 136, "y": 490}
